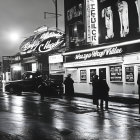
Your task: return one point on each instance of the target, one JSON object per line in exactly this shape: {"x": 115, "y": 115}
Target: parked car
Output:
{"x": 31, "y": 81}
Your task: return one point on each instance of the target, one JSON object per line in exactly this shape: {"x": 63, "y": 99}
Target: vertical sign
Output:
{"x": 92, "y": 21}
{"x": 88, "y": 20}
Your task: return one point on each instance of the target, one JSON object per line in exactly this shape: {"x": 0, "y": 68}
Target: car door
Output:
{"x": 29, "y": 83}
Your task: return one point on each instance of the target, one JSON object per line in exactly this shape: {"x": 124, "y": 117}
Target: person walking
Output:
{"x": 103, "y": 92}
{"x": 95, "y": 90}
{"x": 69, "y": 88}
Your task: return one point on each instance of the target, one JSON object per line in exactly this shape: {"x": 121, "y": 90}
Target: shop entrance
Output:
{"x": 102, "y": 72}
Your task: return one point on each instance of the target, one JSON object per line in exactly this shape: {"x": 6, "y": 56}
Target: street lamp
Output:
{"x": 14, "y": 36}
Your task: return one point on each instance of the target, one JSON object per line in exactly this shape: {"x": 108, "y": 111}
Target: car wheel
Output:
{"x": 11, "y": 90}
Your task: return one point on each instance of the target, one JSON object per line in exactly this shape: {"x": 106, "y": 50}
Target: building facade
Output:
{"x": 103, "y": 39}
{"x": 35, "y": 51}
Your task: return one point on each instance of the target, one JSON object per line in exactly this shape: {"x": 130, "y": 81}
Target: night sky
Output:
{"x": 23, "y": 17}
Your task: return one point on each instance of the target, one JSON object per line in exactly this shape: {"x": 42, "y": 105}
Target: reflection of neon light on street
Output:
{"x": 16, "y": 68}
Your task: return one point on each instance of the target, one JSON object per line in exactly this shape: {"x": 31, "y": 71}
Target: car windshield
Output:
{"x": 26, "y": 76}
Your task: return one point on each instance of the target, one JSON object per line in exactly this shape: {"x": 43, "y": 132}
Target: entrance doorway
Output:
{"x": 102, "y": 72}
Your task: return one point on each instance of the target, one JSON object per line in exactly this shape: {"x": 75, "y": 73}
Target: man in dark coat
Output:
{"x": 69, "y": 88}
{"x": 138, "y": 82}
{"x": 42, "y": 90}
{"x": 95, "y": 90}
{"x": 103, "y": 92}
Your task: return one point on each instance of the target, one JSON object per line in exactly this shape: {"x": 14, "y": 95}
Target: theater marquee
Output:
{"x": 101, "y": 53}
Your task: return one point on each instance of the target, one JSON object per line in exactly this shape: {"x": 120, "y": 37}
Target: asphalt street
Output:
{"x": 26, "y": 117}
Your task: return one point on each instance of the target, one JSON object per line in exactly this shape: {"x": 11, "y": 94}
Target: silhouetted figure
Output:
{"x": 41, "y": 84}
{"x": 69, "y": 88}
{"x": 95, "y": 90}
{"x": 138, "y": 82}
{"x": 42, "y": 90}
{"x": 103, "y": 92}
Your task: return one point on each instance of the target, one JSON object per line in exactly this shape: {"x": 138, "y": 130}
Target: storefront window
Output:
{"x": 83, "y": 75}
{"x": 76, "y": 34}
{"x": 129, "y": 74}
{"x": 34, "y": 67}
{"x": 92, "y": 73}
{"x": 28, "y": 67}
{"x": 116, "y": 73}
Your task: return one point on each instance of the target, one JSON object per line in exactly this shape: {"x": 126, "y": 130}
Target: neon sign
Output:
{"x": 43, "y": 42}
{"x": 97, "y": 53}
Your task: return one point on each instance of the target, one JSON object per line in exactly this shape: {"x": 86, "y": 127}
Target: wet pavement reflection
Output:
{"x": 26, "y": 117}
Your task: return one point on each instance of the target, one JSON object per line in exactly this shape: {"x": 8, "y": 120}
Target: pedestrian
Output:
{"x": 138, "y": 82}
{"x": 103, "y": 92}
{"x": 42, "y": 90}
{"x": 95, "y": 90}
{"x": 69, "y": 88}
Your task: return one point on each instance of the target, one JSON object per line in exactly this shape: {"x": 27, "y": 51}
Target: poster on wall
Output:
{"x": 92, "y": 73}
{"x": 119, "y": 19}
{"x": 83, "y": 75}
{"x": 116, "y": 73}
{"x": 129, "y": 74}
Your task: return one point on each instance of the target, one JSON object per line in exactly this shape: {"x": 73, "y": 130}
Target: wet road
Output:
{"x": 27, "y": 118}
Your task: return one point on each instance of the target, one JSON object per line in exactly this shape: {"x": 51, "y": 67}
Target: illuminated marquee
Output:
{"x": 43, "y": 42}
{"x": 97, "y": 53}
{"x": 101, "y": 53}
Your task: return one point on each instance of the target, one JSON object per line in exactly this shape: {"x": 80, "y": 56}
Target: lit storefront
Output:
{"x": 56, "y": 69}
{"x": 112, "y": 45}
{"x": 15, "y": 67}
{"x": 36, "y": 49}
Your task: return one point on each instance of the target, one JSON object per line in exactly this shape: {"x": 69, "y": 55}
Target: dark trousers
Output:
{"x": 106, "y": 104}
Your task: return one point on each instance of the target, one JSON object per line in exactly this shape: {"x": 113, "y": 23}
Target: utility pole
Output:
{"x": 56, "y": 14}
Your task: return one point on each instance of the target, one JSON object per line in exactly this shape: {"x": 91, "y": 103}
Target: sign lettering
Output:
{"x": 93, "y": 22}
{"x": 43, "y": 42}
{"x": 97, "y": 53}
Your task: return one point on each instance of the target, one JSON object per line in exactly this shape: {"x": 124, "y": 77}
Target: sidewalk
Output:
{"x": 116, "y": 97}
{"x": 124, "y": 98}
